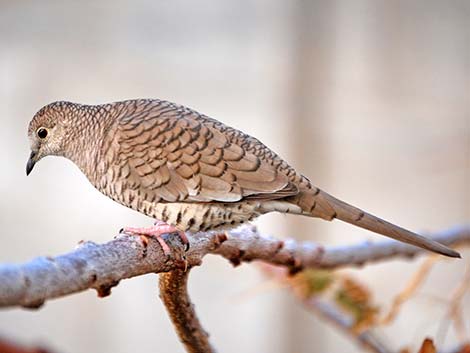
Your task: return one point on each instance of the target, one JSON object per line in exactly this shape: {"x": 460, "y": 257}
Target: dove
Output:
{"x": 186, "y": 170}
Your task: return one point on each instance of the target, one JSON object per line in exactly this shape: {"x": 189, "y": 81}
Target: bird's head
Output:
{"x": 47, "y": 131}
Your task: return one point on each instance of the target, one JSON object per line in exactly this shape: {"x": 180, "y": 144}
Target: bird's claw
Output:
{"x": 158, "y": 229}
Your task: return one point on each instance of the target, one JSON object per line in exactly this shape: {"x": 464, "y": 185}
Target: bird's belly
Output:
{"x": 192, "y": 216}
{"x": 201, "y": 217}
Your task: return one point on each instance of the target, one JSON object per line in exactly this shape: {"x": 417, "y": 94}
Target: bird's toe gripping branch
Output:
{"x": 156, "y": 231}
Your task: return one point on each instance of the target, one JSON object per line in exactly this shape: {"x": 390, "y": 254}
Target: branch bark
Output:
{"x": 102, "y": 266}
{"x": 174, "y": 294}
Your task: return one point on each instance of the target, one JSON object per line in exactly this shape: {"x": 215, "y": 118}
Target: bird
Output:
{"x": 190, "y": 172}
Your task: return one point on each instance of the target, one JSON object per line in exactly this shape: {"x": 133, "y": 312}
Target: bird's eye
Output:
{"x": 42, "y": 133}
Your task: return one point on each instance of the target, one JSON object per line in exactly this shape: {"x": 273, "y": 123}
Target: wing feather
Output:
{"x": 181, "y": 156}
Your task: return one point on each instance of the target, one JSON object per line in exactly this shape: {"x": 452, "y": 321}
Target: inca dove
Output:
{"x": 186, "y": 169}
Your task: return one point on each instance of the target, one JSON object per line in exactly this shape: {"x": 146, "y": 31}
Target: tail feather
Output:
{"x": 318, "y": 203}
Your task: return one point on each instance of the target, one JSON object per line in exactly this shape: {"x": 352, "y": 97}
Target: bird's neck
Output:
{"x": 85, "y": 139}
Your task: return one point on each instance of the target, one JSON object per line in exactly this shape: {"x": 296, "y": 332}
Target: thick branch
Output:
{"x": 101, "y": 266}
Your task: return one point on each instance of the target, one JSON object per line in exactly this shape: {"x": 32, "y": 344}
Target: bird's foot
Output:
{"x": 156, "y": 231}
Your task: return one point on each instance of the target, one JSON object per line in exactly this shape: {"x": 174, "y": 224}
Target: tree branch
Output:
{"x": 102, "y": 266}
{"x": 174, "y": 294}
{"x": 344, "y": 323}
{"x": 10, "y": 347}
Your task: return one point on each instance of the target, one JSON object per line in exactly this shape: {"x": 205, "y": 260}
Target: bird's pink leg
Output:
{"x": 156, "y": 231}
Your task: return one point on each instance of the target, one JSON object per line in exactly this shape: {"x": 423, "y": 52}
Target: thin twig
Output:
{"x": 410, "y": 289}
{"x": 455, "y": 307}
{"x": 346, "y": 324}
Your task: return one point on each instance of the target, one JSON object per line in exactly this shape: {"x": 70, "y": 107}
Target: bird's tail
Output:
{"x": 317, "y": 203}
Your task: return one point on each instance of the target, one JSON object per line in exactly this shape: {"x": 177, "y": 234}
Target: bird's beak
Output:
{"x": 31, "y": 162}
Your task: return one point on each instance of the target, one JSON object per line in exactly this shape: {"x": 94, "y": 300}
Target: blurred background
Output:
{"x": 370, "y": 99}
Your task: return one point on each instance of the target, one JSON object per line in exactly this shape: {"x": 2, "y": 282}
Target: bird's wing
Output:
{"x": 177, "y": 155}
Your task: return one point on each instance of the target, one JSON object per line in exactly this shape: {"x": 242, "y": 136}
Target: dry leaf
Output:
{"x": 465, "y": 348}
{"x": 312, "y": 282}
{"x": 355, "y": 298}
{"x": 428, "y": 346}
